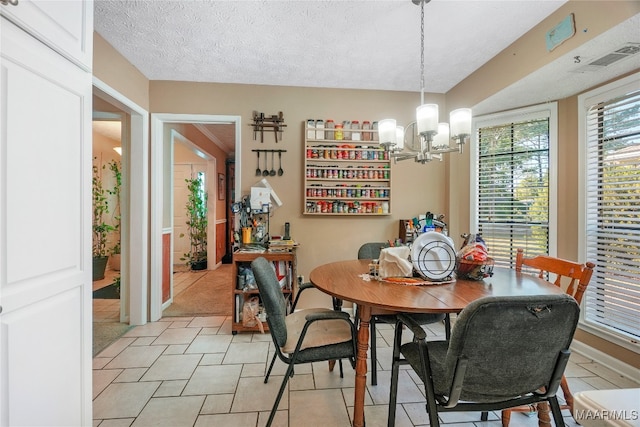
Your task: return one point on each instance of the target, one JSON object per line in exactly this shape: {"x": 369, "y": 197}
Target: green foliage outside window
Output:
{"x": 513, "y": 187}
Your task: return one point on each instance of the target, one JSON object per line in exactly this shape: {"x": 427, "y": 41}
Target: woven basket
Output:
{"x": 474, "y": 270}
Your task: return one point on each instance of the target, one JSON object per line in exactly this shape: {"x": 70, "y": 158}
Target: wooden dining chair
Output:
{"x": 573, "y": 278}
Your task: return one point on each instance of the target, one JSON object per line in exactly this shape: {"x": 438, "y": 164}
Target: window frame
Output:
{"x": 585, "y": 101}
{"x": 542, "y": 111}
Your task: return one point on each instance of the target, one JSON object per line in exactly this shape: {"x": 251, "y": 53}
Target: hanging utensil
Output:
{"x": 272, "y": 172}
{"x": 258, "y": 171}
{"x": 280, "y": 171}
{"x": 265, "y": 172}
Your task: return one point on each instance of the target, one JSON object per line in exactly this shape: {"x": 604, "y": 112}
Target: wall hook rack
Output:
{"x": 269, "y": 151}
{"x": 261, "y": 121}
{"x": 272, "y": 171}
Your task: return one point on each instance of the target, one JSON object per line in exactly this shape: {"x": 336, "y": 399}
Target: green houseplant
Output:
{"x": 100, "y": 227}
{"x": 114, "y": 259}
{"x": 196, "y": 207}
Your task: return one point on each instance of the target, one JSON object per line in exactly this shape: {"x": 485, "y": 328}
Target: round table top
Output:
{"x": 343, "y": 279}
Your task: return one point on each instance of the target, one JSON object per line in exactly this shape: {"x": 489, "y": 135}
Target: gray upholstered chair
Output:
{"x": 304, "y": 336}
{"x": 481, "y": 367}
{"x": 569, "y": 275}
{"x": 372, "y": 251}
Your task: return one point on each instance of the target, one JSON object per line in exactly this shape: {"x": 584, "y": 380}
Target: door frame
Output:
{"x": 134, "y": 268}
{"x": 160, "y": 156}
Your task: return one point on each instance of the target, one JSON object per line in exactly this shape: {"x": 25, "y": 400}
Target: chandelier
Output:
{"x": 426, "y": 138}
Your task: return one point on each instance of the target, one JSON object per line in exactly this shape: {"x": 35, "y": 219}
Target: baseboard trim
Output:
{"x": 603, "y": 358}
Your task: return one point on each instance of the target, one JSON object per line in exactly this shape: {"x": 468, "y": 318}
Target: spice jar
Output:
{"x": 338, "y": 132}
{"x": 329, "y": 132}
{"x": 346, "y": 124}
{"x": 366, "y": 125}
{"x": 311, "y": 125}
{"x": 355, "y": 127}
{"x": 320, "y": 129}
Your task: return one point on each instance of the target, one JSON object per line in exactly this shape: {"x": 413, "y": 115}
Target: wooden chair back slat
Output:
{"x": 576, "y": 272}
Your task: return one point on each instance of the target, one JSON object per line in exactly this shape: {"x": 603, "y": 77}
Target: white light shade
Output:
{"x": 442, "y": 137}
{"x": 427, "y": 118}
{"x": 399, "y": 137}
{"x": 460, "y": 122}
{"x": 387, "y": 131}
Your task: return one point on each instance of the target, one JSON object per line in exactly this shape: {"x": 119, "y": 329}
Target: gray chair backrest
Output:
{"x": 371, "y": 250}
{"x": 272, "y": 299}
{"x": 511, "y": 344}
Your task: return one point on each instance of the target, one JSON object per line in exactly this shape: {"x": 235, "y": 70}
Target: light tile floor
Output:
{"x": 193, "y": 372}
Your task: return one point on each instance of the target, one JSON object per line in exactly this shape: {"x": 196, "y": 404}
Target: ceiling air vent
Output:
{"x": 624, "y": 52}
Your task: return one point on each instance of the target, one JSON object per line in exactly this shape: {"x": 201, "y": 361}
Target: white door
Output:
{"x": 45, "y": 230}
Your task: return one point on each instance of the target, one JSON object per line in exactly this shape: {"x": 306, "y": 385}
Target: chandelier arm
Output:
{"x": 404, "y": 156}
{"x": 444, "y": 150}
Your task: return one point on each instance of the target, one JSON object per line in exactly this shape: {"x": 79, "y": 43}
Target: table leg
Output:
{"x": 544, "y": 420}
{"x": 364, "y": 314}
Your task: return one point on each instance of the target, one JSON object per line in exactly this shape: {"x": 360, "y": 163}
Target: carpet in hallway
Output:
{"x": 209, "y": 295}
{"x": 104, "y": 333}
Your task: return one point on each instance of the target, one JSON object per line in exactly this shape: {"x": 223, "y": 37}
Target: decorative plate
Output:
{"x": 433, "y": 255}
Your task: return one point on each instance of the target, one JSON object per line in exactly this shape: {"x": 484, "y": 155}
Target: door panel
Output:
{"x": 50, "y": 231}
{"x": 45, "y": 257}
{"x": 52, "y": 325}
{"x": 65, "y": 26}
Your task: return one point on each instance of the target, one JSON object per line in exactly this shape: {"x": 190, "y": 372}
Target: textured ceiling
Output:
{"x": 356, "y": 44}
{"x": 337, "y": 44}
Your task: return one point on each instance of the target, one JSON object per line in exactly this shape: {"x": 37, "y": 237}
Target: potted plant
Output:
{"x": 101, "y": 229}
{"x": 114, "y": 252}
{"x": 116, "y": 284}
{"x": 196, "y": 207}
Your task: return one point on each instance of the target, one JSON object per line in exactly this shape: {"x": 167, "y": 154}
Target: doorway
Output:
{"x": 107, "y": 130}
{"x": 133, "y": 303}
{"x": 162, "y": 185}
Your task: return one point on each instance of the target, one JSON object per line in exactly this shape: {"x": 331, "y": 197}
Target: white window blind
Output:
{"x": 612, "y": 216}
{"x": 512, "y": 188}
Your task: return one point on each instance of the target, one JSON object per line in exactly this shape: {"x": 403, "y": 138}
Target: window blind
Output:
{"x": 612, "y": 299}
{"x": 513, "y": 188}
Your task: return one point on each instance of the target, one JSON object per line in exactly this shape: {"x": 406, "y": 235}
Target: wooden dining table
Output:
{"x": 346, "y": 280}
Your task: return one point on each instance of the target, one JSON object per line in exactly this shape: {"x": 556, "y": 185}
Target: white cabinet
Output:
{"x": 64, "y": 26}
{"x": 45, "y": 214}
